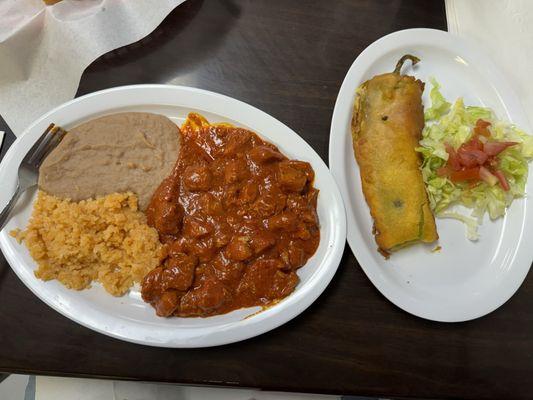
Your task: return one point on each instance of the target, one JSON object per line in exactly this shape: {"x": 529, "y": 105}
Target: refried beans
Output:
{"x": 117, "y": 153}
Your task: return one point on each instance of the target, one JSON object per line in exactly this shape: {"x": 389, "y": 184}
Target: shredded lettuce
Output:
{"x": 453, "y": 124}
{"x": 439, "y": 105}
{"x": 471, "y": 223}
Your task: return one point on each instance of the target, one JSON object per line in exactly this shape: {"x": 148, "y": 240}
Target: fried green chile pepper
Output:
{"x": 387, "y": 124}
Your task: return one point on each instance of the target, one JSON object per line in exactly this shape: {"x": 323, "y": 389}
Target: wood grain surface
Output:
{"x": 287, "y": 58}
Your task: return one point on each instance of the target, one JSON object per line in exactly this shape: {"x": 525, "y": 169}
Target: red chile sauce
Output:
{"x": 238, "y": 219}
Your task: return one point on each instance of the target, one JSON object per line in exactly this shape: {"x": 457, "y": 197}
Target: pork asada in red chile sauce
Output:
{"x": 238, "y": 219}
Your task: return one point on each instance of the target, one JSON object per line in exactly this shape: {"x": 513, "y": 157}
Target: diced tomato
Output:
{"x": 470, "y": 158}
{"x": 467, "y": 174}
{"x": 466, "y": 160}
{"x": 476, "y": 159}
{"x": 503, "y": 180}
{"x": 492, "y": 162}
{"x": 481, "y": 128}
{"x": 495, "y": 148}
{"x": 480, "y": 156}
{"x": 443, "y": 171}
{"x": 453, "y": 161}
{"x": 472, "y": 144}
{"x": 482, "y": 123}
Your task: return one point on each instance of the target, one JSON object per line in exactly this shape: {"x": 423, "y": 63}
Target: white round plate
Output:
{"x": 464, "y": 280}
{"x": 129, "y": 318}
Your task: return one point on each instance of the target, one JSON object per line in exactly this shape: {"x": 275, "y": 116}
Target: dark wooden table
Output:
{"x": 288, "y": 58}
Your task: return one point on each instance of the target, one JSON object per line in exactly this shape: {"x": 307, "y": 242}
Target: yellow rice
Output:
{"x": 105, "y": 240}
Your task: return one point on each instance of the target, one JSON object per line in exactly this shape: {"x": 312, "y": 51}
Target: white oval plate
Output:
{"x": 465, "y": 280}
{"x": 129, "y": 318}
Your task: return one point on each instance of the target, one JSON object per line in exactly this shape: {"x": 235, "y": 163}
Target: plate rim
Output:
{"x": 260, "y": 323}
{"x": 437, "y": 38}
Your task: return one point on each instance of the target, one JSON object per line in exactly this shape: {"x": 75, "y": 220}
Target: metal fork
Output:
{"x": 28, "y": 173}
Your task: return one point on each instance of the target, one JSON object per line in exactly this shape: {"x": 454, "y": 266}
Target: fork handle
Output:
{"x": 6, "y": 212}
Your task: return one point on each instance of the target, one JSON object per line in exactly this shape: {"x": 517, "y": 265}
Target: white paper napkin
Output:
{"x": 504, "y": 28}
{"x": 45, "y": 49}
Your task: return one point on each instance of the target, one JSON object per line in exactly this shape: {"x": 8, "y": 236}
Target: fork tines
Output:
{"x": 51, "y": 137}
